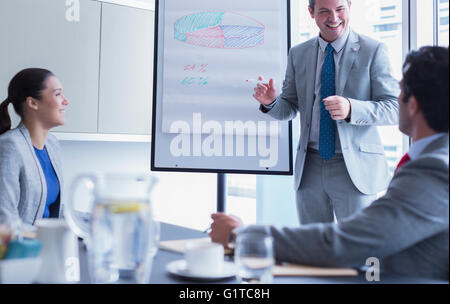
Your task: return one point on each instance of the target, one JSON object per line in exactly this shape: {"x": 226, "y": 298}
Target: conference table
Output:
{"x": 160, "y": 275}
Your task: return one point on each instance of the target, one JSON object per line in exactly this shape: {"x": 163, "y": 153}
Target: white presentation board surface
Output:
{"x": 208, "y": 56}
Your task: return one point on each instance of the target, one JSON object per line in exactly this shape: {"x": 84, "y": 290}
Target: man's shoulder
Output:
{"x": 430, "y": 167}
{"x": 366, "y": 41}
{"x": 422, "y": 184}
{"x": 305, "y": 45}
{"x": 436, "y": 154}
{"x": 432, "y": 162}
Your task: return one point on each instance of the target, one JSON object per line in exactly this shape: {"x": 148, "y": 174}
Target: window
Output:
{"x": 443, "y": 30}
{"x": 431, "y": 26}
{"x": 241, "y": 198}
{"x": 387, "y": 8}
{"x": 367, "y": 18}
{"x": 386, "y": 27}
{"x": 185, "y": 199}
{"x": 424, "y": 24}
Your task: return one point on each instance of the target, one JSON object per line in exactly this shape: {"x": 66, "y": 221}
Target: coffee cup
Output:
{"x": 59, "y": 252}
{"x": 204, "y": 258}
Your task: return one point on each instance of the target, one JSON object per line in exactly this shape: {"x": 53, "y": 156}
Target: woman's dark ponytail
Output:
{"x": 26, "y": 83}
{"x": 5, "y": 120}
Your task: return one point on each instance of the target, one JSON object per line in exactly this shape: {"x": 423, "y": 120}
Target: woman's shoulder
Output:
{"x": 11, "y": 137}
{"x": 12, "y": 143}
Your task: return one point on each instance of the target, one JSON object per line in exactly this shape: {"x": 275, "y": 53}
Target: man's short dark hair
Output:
{"x": 425, "y": 76}
{"x": 312, "y": 3}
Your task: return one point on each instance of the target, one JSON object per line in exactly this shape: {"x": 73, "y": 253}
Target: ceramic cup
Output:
{"x": 204, "y": 258}
{"x": 59, "y": 252}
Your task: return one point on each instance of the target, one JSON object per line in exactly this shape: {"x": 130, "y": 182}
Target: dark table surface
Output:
{"x": 160, "y": 275}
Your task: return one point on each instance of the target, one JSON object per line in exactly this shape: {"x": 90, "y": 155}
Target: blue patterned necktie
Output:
{"x": 326, "y": 134}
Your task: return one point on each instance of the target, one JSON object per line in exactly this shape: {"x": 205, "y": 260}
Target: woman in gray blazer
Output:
{"x": 30, "y": 165}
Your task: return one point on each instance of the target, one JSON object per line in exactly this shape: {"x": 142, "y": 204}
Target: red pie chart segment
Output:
{"x": 212, "y": 37}
{"x": 211, "y": 30}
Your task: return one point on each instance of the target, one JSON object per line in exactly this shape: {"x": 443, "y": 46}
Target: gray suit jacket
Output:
{"x": 23, "y": 189}
{"x": 366, "y": 79}
{"x": 407, "y": 229}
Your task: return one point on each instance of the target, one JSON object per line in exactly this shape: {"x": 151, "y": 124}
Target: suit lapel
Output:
{"x": 311, "y": 69}
{"x": 40, "y": 211}
{"x": 351, "y": 51}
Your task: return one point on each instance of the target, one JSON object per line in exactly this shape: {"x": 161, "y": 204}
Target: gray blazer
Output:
{"x": 406, "y": 229}
{"x": 365, "y": 78}
{"x": 23, "y": 189}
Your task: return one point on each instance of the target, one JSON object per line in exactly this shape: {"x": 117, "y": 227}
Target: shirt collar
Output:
{"x": 417, "y": 147}
{"x": 337, "y": 44}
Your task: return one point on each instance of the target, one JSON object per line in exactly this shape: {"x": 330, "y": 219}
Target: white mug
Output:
{"x": 59, "y": 252}
{"x": 204, "y": 258}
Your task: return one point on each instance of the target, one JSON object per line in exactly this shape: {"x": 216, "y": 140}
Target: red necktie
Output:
{"x": 403, "y": 161}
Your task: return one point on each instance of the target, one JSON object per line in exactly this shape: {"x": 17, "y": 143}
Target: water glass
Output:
{"x": 123, "y": 242}
{"x": 254, "y": 258}
{"x": 120, "y": 232}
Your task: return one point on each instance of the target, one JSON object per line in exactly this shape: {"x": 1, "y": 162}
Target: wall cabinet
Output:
{"x": 35, "y": 33}
{"x": 126, "y": 70}
{"x": 104, "y": 60}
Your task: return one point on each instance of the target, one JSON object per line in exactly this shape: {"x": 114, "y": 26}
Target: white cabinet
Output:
{"x": 126, "y": 70}
{"x": 104, "y": 60}
{"x": 36, "y": 33}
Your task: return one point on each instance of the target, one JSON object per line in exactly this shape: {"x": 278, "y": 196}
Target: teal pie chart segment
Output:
{"x": 222, "y": 30}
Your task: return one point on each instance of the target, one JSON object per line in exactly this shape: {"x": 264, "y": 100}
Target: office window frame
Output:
{"x": 438, "y": 10}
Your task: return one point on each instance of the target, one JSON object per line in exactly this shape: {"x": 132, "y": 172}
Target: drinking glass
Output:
{"x": 120, "y": 231}
{"x": 254, "y": 258}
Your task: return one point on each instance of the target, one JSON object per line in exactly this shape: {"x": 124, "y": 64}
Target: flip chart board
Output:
{"x": 208, "y": 56}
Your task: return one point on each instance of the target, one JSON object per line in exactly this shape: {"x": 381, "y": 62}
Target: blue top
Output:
{"x": 53, "y": 187}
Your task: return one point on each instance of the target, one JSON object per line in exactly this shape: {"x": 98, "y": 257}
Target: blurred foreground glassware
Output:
{"x": 120, "y": 231}
{"x": 254, "y": 258}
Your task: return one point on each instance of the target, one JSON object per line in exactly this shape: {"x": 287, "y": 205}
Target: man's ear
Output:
{"x": 413, "y": 106}
{"x": 311, "y": 12}
{"x": 31, "y": 103}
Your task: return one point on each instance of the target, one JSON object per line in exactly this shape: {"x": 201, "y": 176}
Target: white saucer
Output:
{"x": 179, "y": 268}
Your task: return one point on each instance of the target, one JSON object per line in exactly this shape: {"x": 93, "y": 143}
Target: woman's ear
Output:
{"x": 31, "y": 103}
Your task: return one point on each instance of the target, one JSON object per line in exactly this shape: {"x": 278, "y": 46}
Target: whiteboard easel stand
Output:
{"x": 161, "y": 158}
{"x": 221, "y": 191}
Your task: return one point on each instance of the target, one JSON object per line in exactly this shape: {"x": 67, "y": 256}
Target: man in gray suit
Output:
{"x": 408, "y": 228}
{"x": 342, "y": 86}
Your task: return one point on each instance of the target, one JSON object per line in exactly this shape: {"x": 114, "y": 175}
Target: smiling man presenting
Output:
{"x": 342, "y": 86}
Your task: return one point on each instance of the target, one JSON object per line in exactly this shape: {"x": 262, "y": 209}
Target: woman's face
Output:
{"x": 52, "y": 105}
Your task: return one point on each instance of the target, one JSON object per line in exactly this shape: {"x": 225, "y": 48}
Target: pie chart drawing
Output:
{"x": 223, "y": 30}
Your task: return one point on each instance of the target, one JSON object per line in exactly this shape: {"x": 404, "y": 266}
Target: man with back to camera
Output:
{"x": 342, "y": 85}
{"x": 408, "y": 228}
